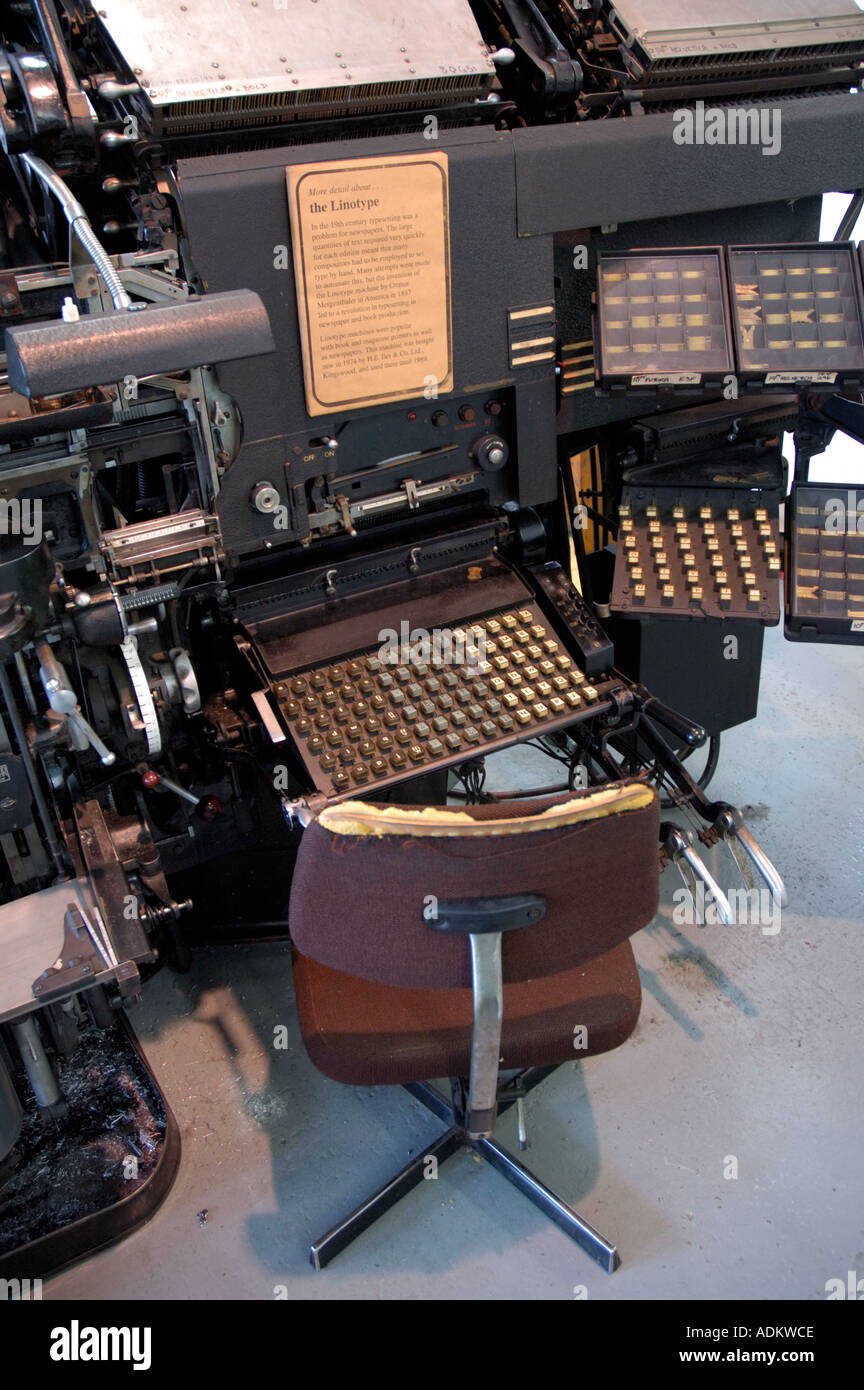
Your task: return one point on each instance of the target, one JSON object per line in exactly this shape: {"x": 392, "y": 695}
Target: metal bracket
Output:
{"x": 86, "y": 955}
{"x": 10, "y": 296}
{"x": 298, "y": 811}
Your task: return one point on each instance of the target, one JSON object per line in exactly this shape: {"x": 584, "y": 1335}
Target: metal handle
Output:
{"x": 678, "y": 844}
{"x": 55, "y": 682}
{"x": 762, "y": 864}
{"x": 63, "y": 700}
{"x": 106, "y": 757}
{"x": 701, "y": 871}
{"x": 677, "y": 724}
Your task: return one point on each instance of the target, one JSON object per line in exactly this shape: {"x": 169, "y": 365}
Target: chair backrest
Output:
{"x": 369, "y": 877}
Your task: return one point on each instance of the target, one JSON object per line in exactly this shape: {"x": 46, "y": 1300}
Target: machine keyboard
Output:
{"x": 367, "y": 721}
{"x": 698, "y": 553}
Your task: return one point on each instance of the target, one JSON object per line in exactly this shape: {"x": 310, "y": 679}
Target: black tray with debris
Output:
{"x": 74, "y": 1184}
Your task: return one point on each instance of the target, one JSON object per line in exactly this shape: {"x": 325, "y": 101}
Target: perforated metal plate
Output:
{"x": 241, "y": 60}
{"x": 712, "y": 27}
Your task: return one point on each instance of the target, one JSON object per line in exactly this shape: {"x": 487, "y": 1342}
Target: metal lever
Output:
{"x": 678, "y": 724}
{"x": 99, "y": 936}
{"x": 678, "y": 844}
{"x": 747, "y": 852}
{"x": 77, "y": 720}
{"x": 111, "y": 90}
{"x": 344, "y": 509}
{"x": 63, "y": 700}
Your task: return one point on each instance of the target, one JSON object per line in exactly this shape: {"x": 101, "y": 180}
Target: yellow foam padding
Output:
{"x": 359, "y": 818}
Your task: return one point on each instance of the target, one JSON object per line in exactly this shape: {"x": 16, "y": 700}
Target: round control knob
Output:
{"x": 439, "y": 419}
{"x": 467, "y": 413}
{"x": 264, "y": 498}
{"x": 491, "y": 452}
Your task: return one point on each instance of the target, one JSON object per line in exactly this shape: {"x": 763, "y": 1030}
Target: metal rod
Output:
{"x": 488, "y": 996}
{"x": 80, "y": 224}
{"x": 526, "y": 1081}
{"x": 39, "y": 1071}
{"x": 569, "y": 1221}
{"x": 432, "y": 1099}
{"x": 322, "y": 1251}
{"x": 850, "y": 217}
{"x": 24, "y": 678}
{"x": 523, "y": 795}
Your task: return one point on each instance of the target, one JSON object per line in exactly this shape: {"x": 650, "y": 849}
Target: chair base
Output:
{"x": 456, "y": 1137}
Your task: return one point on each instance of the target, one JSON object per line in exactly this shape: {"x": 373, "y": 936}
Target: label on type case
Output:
{"x": 790, "y": 378}
{"x": 666, "y": 379}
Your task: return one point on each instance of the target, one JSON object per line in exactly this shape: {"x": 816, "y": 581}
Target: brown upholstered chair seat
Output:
{"x": 367, "y": 1034}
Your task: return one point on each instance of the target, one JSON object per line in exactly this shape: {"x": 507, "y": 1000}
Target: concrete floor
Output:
{"x": 748, "y": 1046}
